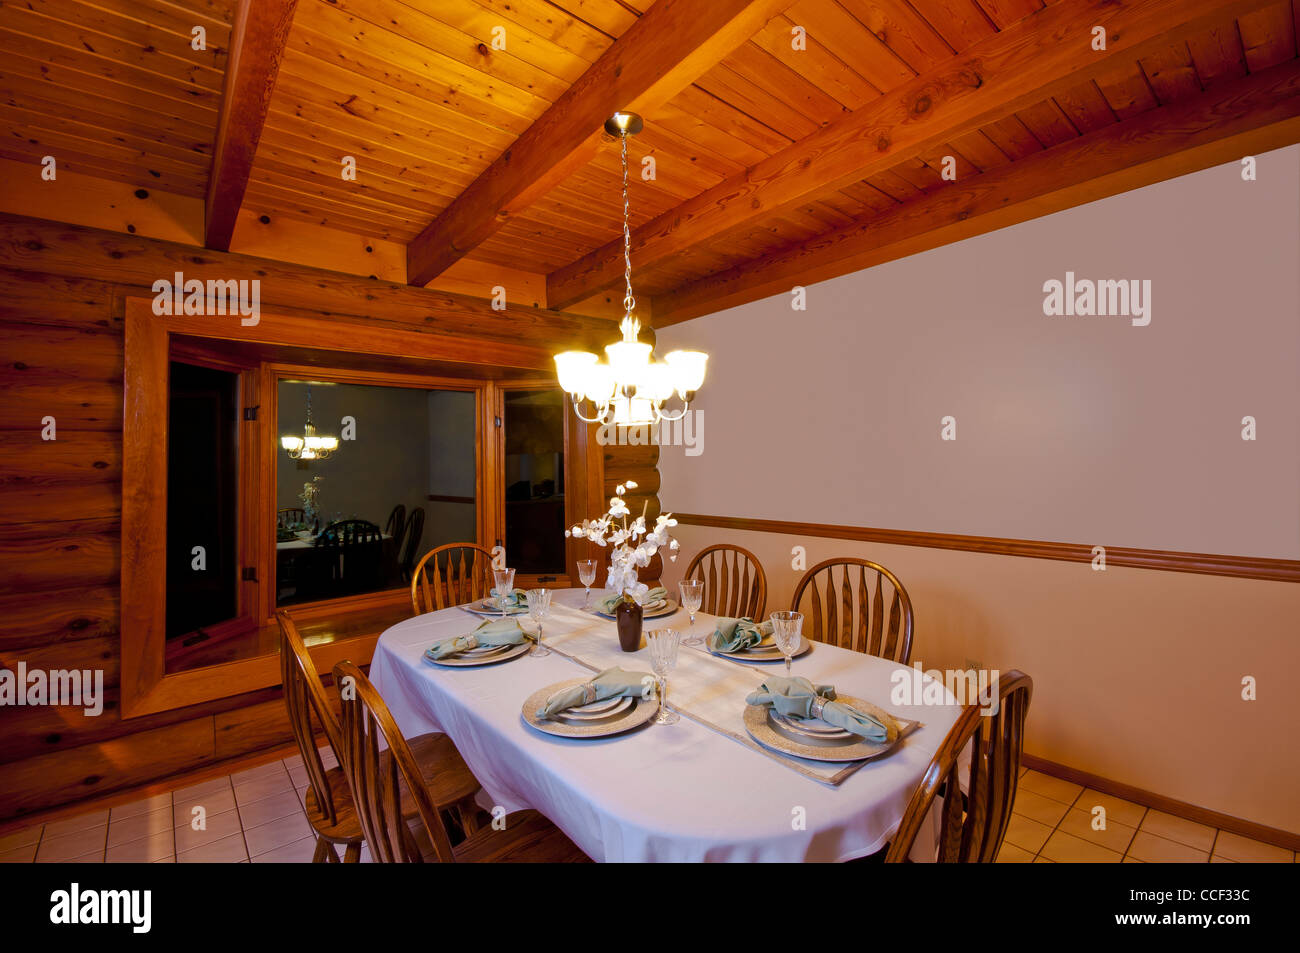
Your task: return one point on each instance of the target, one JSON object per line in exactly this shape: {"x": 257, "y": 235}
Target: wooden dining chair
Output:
{"x": 443, "y": 578}
{"x": 289, "y": 516}
{"x": 330, "y": 807}
{"x": 376, "y": 784}
{"x": 973, "y": 823}
{"x": 734, "y": 582}
{"x": 350, "y": 557}
{"x": 414, "y": 534}
{"x": 395, "y": 527}
{"x": 849, "y": 611}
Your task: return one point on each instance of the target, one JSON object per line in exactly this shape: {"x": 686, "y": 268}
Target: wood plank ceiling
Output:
{"x": 773, "y": 148}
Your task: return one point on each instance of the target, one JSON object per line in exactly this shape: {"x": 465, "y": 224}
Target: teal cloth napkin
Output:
{"x": 794, "y": 697}
{"x": 607, "y": 604}
{"x": 735, "y": 635}
{"x": 611, "y": 683}
{"x": 489, "y": 632}
{"x": 517, "y": 599}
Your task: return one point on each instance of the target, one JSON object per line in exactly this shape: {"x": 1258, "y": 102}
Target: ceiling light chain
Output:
{"x": 631, "y": 387}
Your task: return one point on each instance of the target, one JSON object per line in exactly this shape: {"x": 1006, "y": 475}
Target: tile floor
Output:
{"x": 257, "y": 815}
{"x": 1052, "y": 823}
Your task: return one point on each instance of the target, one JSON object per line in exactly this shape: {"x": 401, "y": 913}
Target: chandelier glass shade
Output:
{"x": 630, "y": 387}
{"x": 309, "y": 446}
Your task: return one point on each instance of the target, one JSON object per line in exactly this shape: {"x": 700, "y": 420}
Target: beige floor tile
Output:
{"x": 166, "y": 860}
{"x": 268, "y": 809}
{"x": 1038, "y": 808}
{"x": 1011, "y": 854}
{"x": 136, "y": 826}
{"x": 1065, "y": 848}
{"x": 55, "y": 849}
{"x": 298, "y": 776}
{"x": 145, "y": 850}
{"x": 262, "y": 787}
{"x": 95, "y": 857}
{"x": 1133, "y": 860}
{"x": 1115, "y": 837}
{"x": 268, "y": 837}
{"x": 1048, "y": 786}
{"x": 1043, "y": 860}
{"x": 1027, "y": 833}
{"x": 145, "y": 806}
{"x": 1117, "y": 809}
{"x": 1216, "y": 859}
{"x": 291, "y": 762}
{"x": 1178, "y": 829}
{"x": 297, "y": 852}
{"x": 270, "y": 769}
{"x": 227, "y": 850}
{"x": 203, "y": 789}
{"x": 218, "y": 826}
{"x": 21, "y": 838}
{"x": 19, "y": 855}
{"x": 217, "y": 801}
{"x": 1243, "y": 849}
{"x": 1158, "y": 850}
{"x": 81, "y": 822}
{"x": 327, "y": 757}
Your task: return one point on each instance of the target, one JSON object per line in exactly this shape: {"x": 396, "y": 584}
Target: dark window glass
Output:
{"x": 534, "y": 480}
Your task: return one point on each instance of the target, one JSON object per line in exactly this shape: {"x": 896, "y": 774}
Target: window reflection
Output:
{"x": 401, "y": 482}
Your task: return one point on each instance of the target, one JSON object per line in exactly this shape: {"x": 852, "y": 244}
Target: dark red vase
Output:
{"x": 627, "y": 616}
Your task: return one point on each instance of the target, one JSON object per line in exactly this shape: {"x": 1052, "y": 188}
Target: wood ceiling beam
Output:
{"x": 1026, "y": 63}
{"x": 1246, "y": 117}
{"x": 257, "y": 42}
{"x": 666, "y": 50}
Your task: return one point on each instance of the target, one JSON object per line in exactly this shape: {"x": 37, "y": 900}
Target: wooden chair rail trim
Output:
{"x": 1201, "y": 815}
{"x": 1244, "y": 567}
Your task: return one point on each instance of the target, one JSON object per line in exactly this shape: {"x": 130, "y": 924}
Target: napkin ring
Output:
{"x": 588, "y": 693}
{"x": 471, "y": 642}
{"x": 818, "y": 706}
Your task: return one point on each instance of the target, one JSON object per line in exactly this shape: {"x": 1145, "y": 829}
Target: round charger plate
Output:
{"x": 668, "y": 608}
{"x": 618, "y": 720}
{"x": 766, "y": 652}
{"x": 813, "y": 728}
{"x": 481, "y": 656}
{"x": 767, "y": 731}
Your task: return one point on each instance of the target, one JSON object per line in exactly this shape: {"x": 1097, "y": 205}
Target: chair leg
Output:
{"x": 467, "y": 810}
{"x": 352, "y": 855}
{"x": 324, "y": 852}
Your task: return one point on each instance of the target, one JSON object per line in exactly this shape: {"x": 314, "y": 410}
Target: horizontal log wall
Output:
{"x": 61, "y": 322}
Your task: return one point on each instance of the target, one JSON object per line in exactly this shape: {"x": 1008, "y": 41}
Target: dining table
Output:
{"x": 699, "y": 790}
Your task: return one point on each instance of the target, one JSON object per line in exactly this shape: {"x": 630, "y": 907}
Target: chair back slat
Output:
{"x": 377, "y": 781}
{"x": 304, "y": 696}
{"x": 444, "y": 578}
{"x": 972, "y": 827}
{"x": 734, "y": 582}
{"x": 844, "y": 612}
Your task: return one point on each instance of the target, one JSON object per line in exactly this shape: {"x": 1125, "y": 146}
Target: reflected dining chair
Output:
{"x": 330, "y": 807}
{"x": 350, "y": 557}
{"x": 414, "y": 533}
{"x": 734, "y": 582}
{"x": 974, "y": 820}
{"x": 289, "y": 516}
{"x": 850, "y": 612}
{"x": 443, "y": 578}
{"x": 376, "y": 783}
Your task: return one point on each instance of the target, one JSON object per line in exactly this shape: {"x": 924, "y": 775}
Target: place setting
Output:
{"x": 497, "y": 639}
{"x": 794, "y": 716}
{"x": 503, "y": 600}
{"x": 655, "y": 604}
{"x": 744, "y": 640}
{"x": 609, "y": 703}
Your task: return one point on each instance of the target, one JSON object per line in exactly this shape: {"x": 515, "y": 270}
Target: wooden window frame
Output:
{"x": 146, "y": 686}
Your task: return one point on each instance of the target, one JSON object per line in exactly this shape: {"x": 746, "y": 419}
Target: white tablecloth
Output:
{"x": 662, "y": 793}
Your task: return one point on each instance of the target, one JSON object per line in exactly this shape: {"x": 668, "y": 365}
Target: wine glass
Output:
{"x": 587, "y": 575}
{"x": 663, "y": 659}
{"x": 539, "y": 605}
{"x": 505, "y": 585}
{"x": 692, "y": 593}
{"x": 787, "y": 629}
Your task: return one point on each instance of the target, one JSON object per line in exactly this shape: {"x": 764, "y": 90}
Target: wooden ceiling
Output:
{"x": 780, "y": 159}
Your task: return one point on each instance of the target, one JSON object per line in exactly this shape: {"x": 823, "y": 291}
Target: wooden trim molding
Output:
{"x": 1200, "y": 815}
{"x": 1245, "y": 567}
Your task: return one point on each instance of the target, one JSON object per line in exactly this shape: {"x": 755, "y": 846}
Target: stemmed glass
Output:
{"x": 505, "y": 584}
{"x": 587, "y": 575}
{"x": 663, "y": 659}
{"x": 539, "y": 606}
{"x": 787, "y": 627}
{"x": 692, "y": 593}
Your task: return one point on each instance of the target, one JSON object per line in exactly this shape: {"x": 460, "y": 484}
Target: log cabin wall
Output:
{"x": 62, "y": 293}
